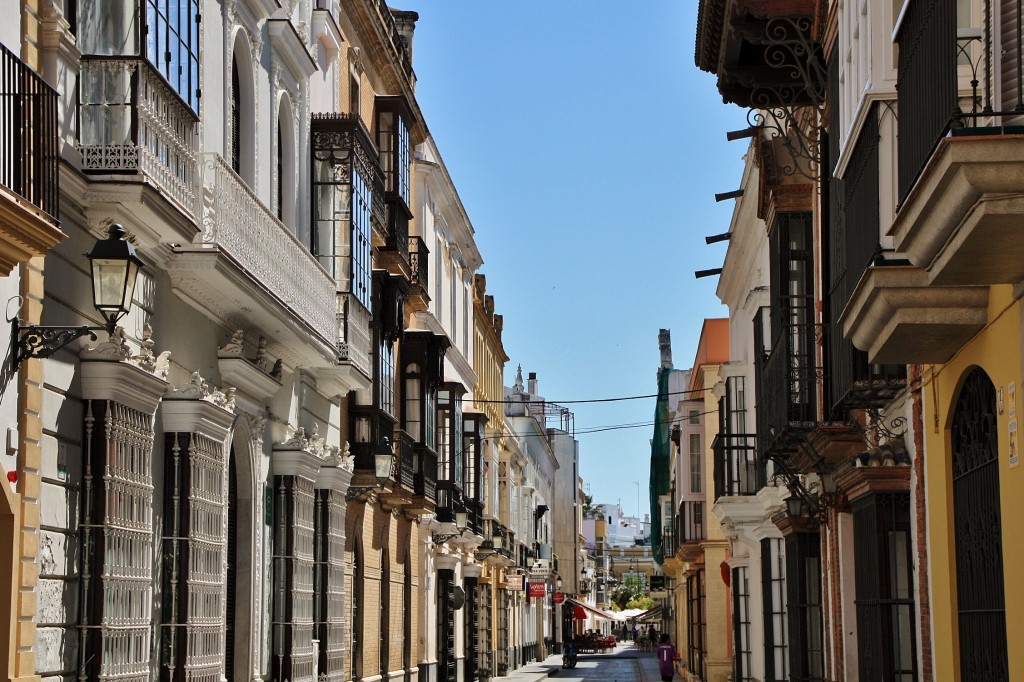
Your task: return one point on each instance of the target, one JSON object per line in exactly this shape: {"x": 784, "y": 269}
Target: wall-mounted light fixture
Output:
{"x": 383, "y": 463}
{"x": 461, "y": 525}
{"x": 803, "y": 502}
{"x": 114, "y": 267}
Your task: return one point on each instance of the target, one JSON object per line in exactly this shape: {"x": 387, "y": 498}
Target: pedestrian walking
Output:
{"x": 636, "y": 634}
{"x": 666, "y": 659}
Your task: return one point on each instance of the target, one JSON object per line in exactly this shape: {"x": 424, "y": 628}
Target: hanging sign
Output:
{"x": 558, "y": 597}
{"x": 514, "y": 583}
{"x": 537, "y": 589}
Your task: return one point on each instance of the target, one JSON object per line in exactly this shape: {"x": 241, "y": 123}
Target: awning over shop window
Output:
{"x": 586, "y": 607}
{"x": 650, "y": 614}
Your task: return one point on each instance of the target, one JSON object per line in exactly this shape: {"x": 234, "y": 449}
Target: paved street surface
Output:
{"x": 625, "y": 664}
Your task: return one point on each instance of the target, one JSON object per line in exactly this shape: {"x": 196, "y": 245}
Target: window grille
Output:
{"x": 117, "y": 543}
{"x": 776, "y": 621}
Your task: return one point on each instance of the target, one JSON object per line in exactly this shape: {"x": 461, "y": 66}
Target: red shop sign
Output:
{"x": 537, "y": 589}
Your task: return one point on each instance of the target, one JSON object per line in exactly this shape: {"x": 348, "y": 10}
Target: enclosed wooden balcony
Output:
{"x": 766, "y": 53}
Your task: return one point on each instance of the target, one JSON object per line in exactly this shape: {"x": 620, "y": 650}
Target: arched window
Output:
{"x": 236, "y": 123}
{"x": 286, "y": 167}
{"x": 978, "y": 531}
{"x": 240, "y": 148}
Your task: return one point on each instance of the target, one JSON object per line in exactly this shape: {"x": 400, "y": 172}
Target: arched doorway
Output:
{"x": 978, "y": 531}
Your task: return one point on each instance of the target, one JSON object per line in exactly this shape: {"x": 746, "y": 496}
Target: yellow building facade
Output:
{"x": 977, "y": 388}
{"x": 28, "y": 230}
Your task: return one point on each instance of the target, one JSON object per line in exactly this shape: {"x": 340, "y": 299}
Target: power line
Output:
{"x": 588, "y": 400}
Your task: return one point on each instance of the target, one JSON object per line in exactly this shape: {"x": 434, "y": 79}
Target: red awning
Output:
{"x": 596, "y": 611}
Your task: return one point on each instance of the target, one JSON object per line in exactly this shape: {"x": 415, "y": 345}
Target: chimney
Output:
{"x": 406, "y": 23}
{"x": 665, "y": 346}
{"x": 531, "y": 384}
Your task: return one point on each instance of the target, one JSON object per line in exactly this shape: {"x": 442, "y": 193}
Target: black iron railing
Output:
{"x": 788, "y": 386}
{"x": 419, "y": 261}
{"x": 425, "y": 481}
{"x": 28, "y": 134}
{"x": 362, "y": 455}
{"x": 853, "y": 237}
{"x": 670, "y": 538}
{"x": 398, "y": 229}
{"x": 927, "y": 77}
{"x": 475, "y": 516}
{"x": 405, "y": 459}
{"x": 737, "y": 468}
{"x": 691, "y": 521}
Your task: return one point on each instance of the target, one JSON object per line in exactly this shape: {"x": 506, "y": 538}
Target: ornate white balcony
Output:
{"x": 247, "y": 269}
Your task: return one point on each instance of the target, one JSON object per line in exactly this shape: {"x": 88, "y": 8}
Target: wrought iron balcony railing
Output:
{"x": 738, "y": 471}
{"x": 691, "y": 521}
{"x": 425, "y": 481}
{"x": 241, "y": 226}
{"x": 670, "y": 538}
{"x": 953, "y": 80}
{"x": 131, "y": 121}
{"x": 405, "y": 459}
{"x": 28, "y": 134}
{"x": 419, "y": 261}
{"x": 787, "y": 390}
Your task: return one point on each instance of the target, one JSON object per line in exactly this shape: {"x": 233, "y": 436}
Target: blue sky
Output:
{"x": 587, "y": 149}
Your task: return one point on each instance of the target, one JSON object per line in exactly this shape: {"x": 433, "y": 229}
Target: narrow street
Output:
{"x": 625, "y": 664}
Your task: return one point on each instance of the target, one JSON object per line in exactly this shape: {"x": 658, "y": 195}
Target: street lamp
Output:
{"x": 461, "y": 525}
{"x": 114, "y": 267}
{"x": 383, "y": 461}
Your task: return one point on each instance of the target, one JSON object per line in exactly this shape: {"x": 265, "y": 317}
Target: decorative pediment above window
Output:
{"x": 303, "y": 456}
{"x": 326, "y": 32}
{"x": 261, "y": 9}
{"x": 290, "y": 50}
{"x": 193, "y": 408}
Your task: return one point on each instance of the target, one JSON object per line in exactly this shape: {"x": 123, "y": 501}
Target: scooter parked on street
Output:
{"x": 569, "y": 655}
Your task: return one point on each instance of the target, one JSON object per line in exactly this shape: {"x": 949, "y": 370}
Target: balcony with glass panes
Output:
{"x": 451, "y": 462}
{"x": 394, "y": 141}
{"x": 138, "y": 96}
{"x": 422, "y": 355}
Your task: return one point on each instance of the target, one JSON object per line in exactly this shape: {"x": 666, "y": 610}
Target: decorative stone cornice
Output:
{"x": 121, "y": 381}
{"x": 303, "y": 456}
{"x": 192, "y": 408}
{"x": 289, "y": 48}
{"x": 471, "y": 570}
{"x": 336, "y": 471}
{"x": 255, "y": 378}
{"x": 446, "y": 562}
